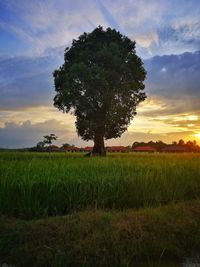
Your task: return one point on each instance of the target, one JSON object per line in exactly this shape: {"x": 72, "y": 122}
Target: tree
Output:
{"x": 49, "y": 138}
{"x": 66, "y": 145}
{"x": 101, "y": 83}
{"x": 40, "y": 146}
{"x": 181, "y": 142}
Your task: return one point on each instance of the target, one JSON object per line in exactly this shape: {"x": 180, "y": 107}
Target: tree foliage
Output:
{"x": 101, "y": 83}
{"x": 49, "y": 138}
{"x": 40, "y": 146}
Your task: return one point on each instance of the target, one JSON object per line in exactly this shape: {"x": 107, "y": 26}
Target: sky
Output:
{"x": 34, "y": 34}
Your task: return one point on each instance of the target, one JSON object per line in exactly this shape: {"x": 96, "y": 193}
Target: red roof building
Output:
{"x": 144, "y": 149}
{"x": 117, "y": 149}
{"x": 88, "y": 149}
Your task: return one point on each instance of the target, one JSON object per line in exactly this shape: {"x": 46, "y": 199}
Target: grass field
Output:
{"x": 121, "y": 208}
{"x": 36, "y": 185}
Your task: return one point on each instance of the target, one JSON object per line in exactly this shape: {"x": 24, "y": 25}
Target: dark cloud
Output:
{"x": 183, "y": 34}
{"x": 26, "y": 82}
{"x": 175, "y": 79}
{"x": 13, "y": 135}
{"x": 174, "y": 75}
{"x": 29, "y": 82}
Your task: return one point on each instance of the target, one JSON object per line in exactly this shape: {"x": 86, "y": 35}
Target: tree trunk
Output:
{"x": 99, "y": 148}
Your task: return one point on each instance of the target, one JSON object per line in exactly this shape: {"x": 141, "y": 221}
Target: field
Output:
{"x": 137, "y": 190}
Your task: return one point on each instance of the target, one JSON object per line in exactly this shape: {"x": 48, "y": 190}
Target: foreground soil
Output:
{"x": 103, "y": 238}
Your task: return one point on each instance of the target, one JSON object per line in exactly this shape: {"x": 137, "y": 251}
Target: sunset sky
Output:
{"x": 34, "y": 34}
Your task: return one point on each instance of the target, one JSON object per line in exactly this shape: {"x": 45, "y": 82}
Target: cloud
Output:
{"x": 27, "y": 81}
{"x": 48, "y": 24}
{"x": 172, "y": 87}
{"x": 159, "y": 27}
{"x": 184, "y": 121}
{"x": 169, "y": 28}
{"x": 148, "y": 40}
{"x": 175, "y": 80}
{"x": 26, "y": 134}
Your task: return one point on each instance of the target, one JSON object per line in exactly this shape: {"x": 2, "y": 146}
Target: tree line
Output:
{"x": 190, "y": 146}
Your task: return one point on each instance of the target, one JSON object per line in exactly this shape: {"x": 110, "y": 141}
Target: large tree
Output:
{"x": 101, "y": 83}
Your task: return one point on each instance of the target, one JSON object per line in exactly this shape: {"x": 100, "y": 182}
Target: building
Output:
{"x": 88, "y": 149}
{"x": 149, "y": 149}
{"x": 117, "y": 149}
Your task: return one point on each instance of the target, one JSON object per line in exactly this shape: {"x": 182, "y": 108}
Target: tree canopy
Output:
{"x": 49, "y": 138}
{"x": 101, "y": 83}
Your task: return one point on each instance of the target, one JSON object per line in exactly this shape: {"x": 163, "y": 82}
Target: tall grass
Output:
{"x": 36, "y": 184}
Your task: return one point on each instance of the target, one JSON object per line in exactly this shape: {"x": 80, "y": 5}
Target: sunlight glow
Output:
{"x": 197, "y": 135}
{"x": 192, "y": 118}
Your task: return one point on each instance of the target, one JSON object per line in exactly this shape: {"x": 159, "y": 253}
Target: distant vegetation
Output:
{"x": 159, "y": 146}
{"x": 189, "y": 146}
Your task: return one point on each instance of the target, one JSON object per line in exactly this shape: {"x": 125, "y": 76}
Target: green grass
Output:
{"x": 119, "y": 210}
{"x": 100, "y": 238}
{"x": 34, "y": 185}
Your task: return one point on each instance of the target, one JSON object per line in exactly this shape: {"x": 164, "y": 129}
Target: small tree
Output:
{"x": 101, "y": 83}
{"x": 40, "y": 146}
{"x": 49, "y": 138}
{"x": 65, "y": 145}
{"x": 181, "y": 142}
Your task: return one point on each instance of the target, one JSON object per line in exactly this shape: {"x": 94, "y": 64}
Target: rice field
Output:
{"x": 34, "y": 185}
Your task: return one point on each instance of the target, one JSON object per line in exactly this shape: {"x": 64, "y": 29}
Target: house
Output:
{"x": 144, "y": 149}
{"x": 88, "y": 149}
{"x": 117, "y": 149}
{"x": 174, "y": 149}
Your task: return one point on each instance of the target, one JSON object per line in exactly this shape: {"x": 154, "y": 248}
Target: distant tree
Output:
{"x": 158, "y": 145}
{"x": 66, "y": 145}
{"x": 49, "y": 138}
{"x": 189, "y": 143}
{"x": 40, "y": 146}
{"x": 101, "y": 83}
{"x": 194, "y": 142}
{"x": 135, "y": 144}
{"x": 181, "y": 142}
{"x": 192, "y": 146}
